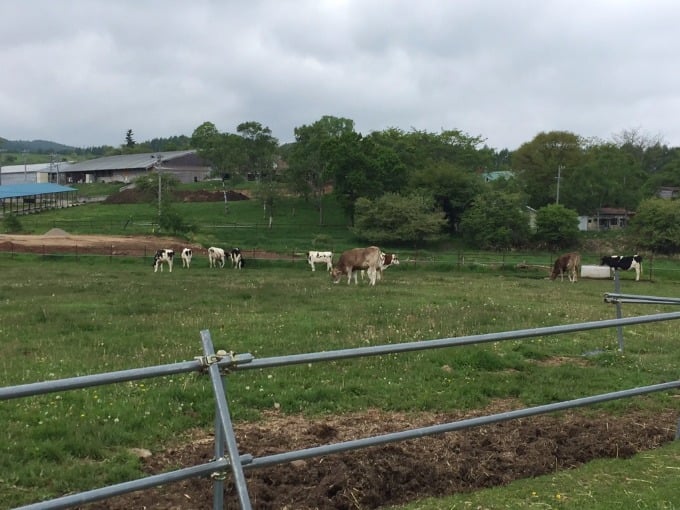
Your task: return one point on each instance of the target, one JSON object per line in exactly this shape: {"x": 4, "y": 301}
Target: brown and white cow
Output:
{"x": 568, "y": 263}
{"x": 163, "y": 257}
{"x": 356, "y": 259}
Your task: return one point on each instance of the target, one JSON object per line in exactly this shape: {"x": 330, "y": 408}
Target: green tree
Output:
{"x": 310, "y": 157}
{"x": 556, "y": 227}
{"x": 496, "y": 220}
{"x": 544, "y": 162}
{"x": 129, "y": 140}
{"x": 656, "y": 225}
{"x": 394, "y": 218}
{"x": 452, "y": 188}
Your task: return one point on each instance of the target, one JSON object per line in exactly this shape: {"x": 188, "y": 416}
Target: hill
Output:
{"x": 35, "y": 146}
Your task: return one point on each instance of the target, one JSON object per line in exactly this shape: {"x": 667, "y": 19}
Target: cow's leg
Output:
{"x": 170, "y": 265}
{"x": 312, "y": 264}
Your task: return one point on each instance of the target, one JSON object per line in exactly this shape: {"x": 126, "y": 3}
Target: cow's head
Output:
{"x": 336, "y": 274}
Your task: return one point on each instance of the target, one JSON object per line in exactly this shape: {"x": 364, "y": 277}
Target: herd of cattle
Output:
{"x": 373, "y": 261}
{"x": 570, "y": 263}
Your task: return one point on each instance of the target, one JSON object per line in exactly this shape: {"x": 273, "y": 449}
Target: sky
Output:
{"x": 83, "y": 72}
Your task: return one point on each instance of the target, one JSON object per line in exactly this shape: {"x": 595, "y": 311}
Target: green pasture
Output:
{"x": 64, "y": 317}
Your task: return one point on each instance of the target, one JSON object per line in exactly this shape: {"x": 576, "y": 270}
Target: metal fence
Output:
{"x": 227, "y": 457}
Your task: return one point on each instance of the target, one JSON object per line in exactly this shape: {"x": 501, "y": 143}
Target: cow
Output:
{"x": 568, "y": 263}
{"x": 163, "y": 257}
{"x": 216, "y": 256}
{"x": 355, "y": 260}
{"x": 325, "y": 257}
{"x": 616, "y": 262}
{"x": 236, "y": 258}
{"x": 187, "y": 254}
{"x": 386, "y": 260}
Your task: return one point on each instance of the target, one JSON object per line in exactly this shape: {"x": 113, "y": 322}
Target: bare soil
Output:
{"x": 454, "y": 462}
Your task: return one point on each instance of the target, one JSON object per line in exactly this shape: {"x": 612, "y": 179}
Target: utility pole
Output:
{"x": 559, "y": 177}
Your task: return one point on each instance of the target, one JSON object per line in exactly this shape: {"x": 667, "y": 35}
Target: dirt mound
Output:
{"x": 398, "y": 472}
{"x": 135, "y": 196}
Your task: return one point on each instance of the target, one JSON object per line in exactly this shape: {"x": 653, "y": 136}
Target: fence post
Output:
{"x": 619, "y": 329}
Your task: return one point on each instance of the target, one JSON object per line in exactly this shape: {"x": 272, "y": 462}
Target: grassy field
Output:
{"x": 62, "y": 318}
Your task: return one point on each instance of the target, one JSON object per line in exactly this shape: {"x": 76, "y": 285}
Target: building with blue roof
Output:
{"x": 32, "y": 197}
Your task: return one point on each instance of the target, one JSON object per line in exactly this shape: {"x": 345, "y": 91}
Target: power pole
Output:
{"x": 559, "y": 177}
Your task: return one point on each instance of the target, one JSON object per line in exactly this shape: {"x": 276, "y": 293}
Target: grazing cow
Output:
{"x": 163, "y": 257}
{"x": 187, "y": 254}
{"x": 616, "y": 262}
{"x": 236, "y": 258}
{"x": 325, "y": 257}
{"x": 568, "y": 263}
{"x": 386, "y": 260}
{"x": 216, "y": 256}
{"x": 355, "y": 260}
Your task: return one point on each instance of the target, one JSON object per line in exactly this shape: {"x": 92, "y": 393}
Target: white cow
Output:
{"x": 325, "y": 257}
{"x": 355, "y": 260}
{"x": 386, "y": 260}
{"x": 163, "y": 257}
{"x": 216, "y": 256}
{"x": 187, "y": 254}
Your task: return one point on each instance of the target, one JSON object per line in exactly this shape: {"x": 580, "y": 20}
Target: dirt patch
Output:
{"x": 134, "y": 196}
{"x": 57, "y": 241}
{"x": 398, "y": 472}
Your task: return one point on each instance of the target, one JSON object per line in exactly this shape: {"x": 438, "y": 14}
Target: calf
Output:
{"x": 616, "y": 262}
{"x": 163, "y": 257}
{"x": 357, "y": 259}
{"x": 386, "y": 260}
{"x": 187, "y": 254}
{"x": 216, "y": 256}
{"x": 325, "y": 257}
{"x": 236, "y": 258}
{"x": 568, "y": 263}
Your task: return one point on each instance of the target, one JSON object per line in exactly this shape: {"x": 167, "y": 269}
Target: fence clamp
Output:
{"x": 211, "y": 359}
{"x": 219, "y": 476}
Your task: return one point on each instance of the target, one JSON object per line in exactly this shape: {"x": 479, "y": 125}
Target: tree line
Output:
{"x": 417, "y": 187}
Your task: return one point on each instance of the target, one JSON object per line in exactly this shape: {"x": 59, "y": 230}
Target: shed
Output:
{"x": 29, "y": 198}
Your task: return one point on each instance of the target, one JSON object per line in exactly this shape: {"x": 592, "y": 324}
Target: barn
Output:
{"x": 29, "y": 198}
{"x": 186, "y": 166}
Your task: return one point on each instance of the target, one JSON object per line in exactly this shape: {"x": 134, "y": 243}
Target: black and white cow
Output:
{"x": 236, "y": 258}
{"x": 187, "y": 254}
{"x": 163, "y": 257}
{"x": 616, "y": 262}
{"x": 324, "y": 257}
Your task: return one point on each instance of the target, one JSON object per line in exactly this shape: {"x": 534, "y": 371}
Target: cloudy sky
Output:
{"x": 83, "y": 72}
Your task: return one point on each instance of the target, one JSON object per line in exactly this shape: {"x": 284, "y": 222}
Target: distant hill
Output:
{"x": 34, "y": 146}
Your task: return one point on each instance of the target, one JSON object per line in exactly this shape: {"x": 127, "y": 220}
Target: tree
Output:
{"x": 496, "y": 220}
{"x": 656, "y": 225}
{"x": 544, "y": 163}
{"x": 129, "y": 140}
{"x": 394, "y": 218}
{"x": 452, "y": 188}
{"x": 556, "y": 227}
{"x": 310, "y": 157}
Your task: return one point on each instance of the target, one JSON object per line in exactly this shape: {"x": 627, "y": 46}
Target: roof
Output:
{"x": 126, "y": 161}
{"x": 35, "y": 167}
{"x": 27, "y": 190}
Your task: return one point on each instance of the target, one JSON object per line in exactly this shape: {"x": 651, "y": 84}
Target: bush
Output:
{"x": 12, "y": 224}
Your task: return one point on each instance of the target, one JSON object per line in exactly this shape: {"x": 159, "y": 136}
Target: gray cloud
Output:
{"x": 85, "y": 71}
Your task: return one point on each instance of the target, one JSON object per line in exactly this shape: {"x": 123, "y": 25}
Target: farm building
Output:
{"x": 186, "y": 166}
{"x": 33, "y": 174}
{"x": 606, "y": 218}
{"x": 29, "y": 198}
